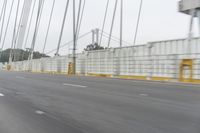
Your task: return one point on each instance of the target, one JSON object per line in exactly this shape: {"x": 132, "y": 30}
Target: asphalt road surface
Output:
{"x": 42, "y": 103}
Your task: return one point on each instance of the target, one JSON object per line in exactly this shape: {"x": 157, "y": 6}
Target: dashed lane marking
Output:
{"x": 74, "y": 85}
{"x": 145, "y": 95}
{"x": 39, "y": 112}
{"x": 19, "y": 77}
{"x": 1, "y": 95}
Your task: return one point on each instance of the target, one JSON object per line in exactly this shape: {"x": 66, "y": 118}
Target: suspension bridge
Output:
{"x": 125, "y": 59}
{"x": 51, "y": 85}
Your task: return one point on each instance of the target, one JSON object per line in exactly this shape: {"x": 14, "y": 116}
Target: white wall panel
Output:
{"x": 161, "y": 60}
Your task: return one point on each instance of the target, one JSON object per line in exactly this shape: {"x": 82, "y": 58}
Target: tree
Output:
{"x": 23, "y": 55}
{"x": 92, "y": 47}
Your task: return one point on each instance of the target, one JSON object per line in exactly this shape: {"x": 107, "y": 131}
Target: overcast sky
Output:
{"x": 160, "y": 20}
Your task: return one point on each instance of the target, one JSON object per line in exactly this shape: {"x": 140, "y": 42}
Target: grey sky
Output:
{"x": 160, "y": 20}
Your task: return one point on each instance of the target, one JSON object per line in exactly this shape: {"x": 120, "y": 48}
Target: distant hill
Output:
{"x": 21, "y": 54}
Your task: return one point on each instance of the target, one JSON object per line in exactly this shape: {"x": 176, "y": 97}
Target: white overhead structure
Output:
{"x": 192, "y": 8}
{"x": 186, "y": 6}
{"x": 24, "y": 22}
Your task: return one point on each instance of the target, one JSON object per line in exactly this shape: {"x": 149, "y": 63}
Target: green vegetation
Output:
{"x": 92, "y": 47}
{"x": 20, "y": 54}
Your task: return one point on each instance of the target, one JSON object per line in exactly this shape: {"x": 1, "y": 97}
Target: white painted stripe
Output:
{"x": 19, "y": 77}
{"x": 39, "y": 112}
{"x": 145, "y": 95}
{"x": 1, "y": 95}
{"x": 74, "y": 85}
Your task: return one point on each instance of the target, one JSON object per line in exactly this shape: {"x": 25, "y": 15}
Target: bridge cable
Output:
{"x": 66, "y": 44}
{"x": 138, "y": 22}
{"x": 49, "y": 24}
{"x": 3, "y": 20}
{"x": 14, "y": 34}
{"x": 29, "y": 27}
{"x": 79, "y": 21}
{"x": 38, "y": 18}
{"x": 8, "y": 22}
{"x": 104, "y": 21}
{"x": 114, "y": 37}
{"x": 18, "y": 29}
{"x": 112, "y": 24}
{"x": 78, "y": 16}
{"x": 62, "y": 28}
{"x": 82, "y": 13}
{"x": 121, "y": 23}
{"x": 2, "y": 10}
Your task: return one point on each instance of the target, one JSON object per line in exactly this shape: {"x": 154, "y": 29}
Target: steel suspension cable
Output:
{"x": 40, "y": 15}
{"x": 115, "y": 37}
{"x": 74, "y": 38}
{"x": 2, "y": 10}
{"x": 14, "y": 33}
{"x": 40, "y": 11}
{"x": 78, "y": 16}
{"x": 82, "y": 13}
{"x": 138, "y": 22}
{"x": 8, "y": 22}
{"x": 121, "y": 24}
{"x": 49, "y": 24}
{"x": 78, "y": 20}
{"x": 36, "y": 29}
{"x": 62, "y": 46}
{"x": 62, "y": 28}
{"x": 113, "y": 20}
{"x": 29, "y": 27}
{"x": 104, "y": 21}
{"x": 3, "y": 20}
{"x": 18, "y": 29}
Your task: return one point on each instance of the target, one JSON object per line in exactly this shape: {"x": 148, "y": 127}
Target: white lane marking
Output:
{"x": 145, "y": 95}
{"x": 19, "y": 77}
{"x": 74, "y": 85}
{"x": 39, "y": 112}
{"x": 1, "y": 95}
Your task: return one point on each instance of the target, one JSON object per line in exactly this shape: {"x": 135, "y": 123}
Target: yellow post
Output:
{"x": 70, "y": 68}
{"x": 8, "y": 67}
{"x": 186, "y": 63}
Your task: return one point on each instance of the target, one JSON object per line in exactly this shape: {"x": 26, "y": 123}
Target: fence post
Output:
{"x": 150, "y": 60}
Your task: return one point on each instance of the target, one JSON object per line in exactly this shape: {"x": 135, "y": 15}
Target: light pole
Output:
{"x": 121, "y": 24}
{"x": 74, "y": 39}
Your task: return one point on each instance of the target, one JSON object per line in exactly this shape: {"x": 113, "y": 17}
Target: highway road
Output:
{"x": 42, "y": 103}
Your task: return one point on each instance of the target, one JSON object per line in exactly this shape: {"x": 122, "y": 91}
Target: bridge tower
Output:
{"x": 192, "y": 8}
